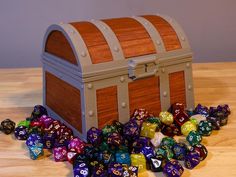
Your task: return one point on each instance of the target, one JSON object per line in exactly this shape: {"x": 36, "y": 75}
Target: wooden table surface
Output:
{"x": 21, "y": 89}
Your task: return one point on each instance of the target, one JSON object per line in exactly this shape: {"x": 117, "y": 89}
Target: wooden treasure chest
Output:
{"x": 98, "y": 71}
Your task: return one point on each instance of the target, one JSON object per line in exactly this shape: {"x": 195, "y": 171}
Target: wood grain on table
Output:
{"x": 21, "y": 89}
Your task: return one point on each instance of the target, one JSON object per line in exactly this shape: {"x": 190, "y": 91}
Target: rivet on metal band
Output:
{"x": 90, "y": 86}
{"x": 116, "y": 49}
{"x": 187, "y": 65}
{"x": 189, "y": 87}
{"x": 83, "y": 54}
{"x": 122, "y": 79}
{"x": 182, "y": 38}
{"x": 90, "y": 113}
{"x": 164, "y": 93}
{"x": 123, "y": 104}
{"x": 158, "y": 42}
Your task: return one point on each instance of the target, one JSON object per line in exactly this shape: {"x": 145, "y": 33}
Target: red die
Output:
{"x": 71, "y": 156}
{"x": 171, "y": 130}
{"x": 201, "y": 150}
{"x": 177, "y": 108}
{"x": 181, "y": 118}
{"x": 35, "y": 124}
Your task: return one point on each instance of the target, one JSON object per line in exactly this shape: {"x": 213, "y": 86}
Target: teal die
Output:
{"x": 194, "y": 138}
{"x": 123, "y": 158}
{"x": 36, "y": 151}
{"x": 204, "y": 128}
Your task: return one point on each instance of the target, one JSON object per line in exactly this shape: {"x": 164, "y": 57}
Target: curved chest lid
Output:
{"x": 103, "y": 46}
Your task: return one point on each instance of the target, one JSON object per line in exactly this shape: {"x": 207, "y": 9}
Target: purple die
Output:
{"x": 21, "y": 132}
{"x": 225, "y": 109}
{"x": 139, "y": 122}
{"x": 192, "y": 159}
{"x": 215, "y": 122}
{"x": 34, "y": 139}
{"x": 48, "y": 141}
{"x": 94, "y": 136}
{"x": 148, "y": 152}
{"x": 60, "y": 154}
{"x": 115, "y": 169}
{"x": 139, "y": 115}
{"x": 81, "y": 170}
{"x": 76, "y": 145}
{"x": 131, "y": 131}
{"x": 222, "y": 117}
{"x": 114, "y": 139}
{"x": 213, "y": 111}
{"x": 38, "y": 111}
{"x": 46, "y": 121}
{"x": 180, "y": 150}
{"x": 173, "y": 169}
{"x": 203, "y": 110}
{"x": 139, "y": 143}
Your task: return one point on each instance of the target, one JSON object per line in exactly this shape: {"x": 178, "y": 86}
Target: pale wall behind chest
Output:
{"x": 210, "y": 25}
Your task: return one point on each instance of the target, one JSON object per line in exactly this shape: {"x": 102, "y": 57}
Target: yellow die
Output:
{"x": 139, "y": 161}
{"x": 148, "y": 130}
{"x": 188, "y": 127}
{"x": 166, "y": 118}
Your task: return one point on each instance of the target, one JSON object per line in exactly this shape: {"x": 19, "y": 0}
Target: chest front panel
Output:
{"x": 177, "y": 87}
{"x": 64, "y": 99}
{"x": 145, "y": 93}
{"x": 107, "y": 106}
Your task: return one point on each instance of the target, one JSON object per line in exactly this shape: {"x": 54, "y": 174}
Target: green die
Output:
{"x": 194, "y": 120}
{"x": 204, "y": 128}
{"x": 155, "y": 120}
{"x": 160, "y": 152}
{"x": 107, "y": 130}
{"x": 165, "y": 152}
{"x": 104, "y": 146}
{"x": 169, "y": 152}
{"x": 194, "y": 138}
{"x": 167, "y": 141}
{"x": 25, "y": 123}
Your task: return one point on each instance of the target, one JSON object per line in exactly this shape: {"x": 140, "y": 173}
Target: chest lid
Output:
{"x": 118, "y": 46}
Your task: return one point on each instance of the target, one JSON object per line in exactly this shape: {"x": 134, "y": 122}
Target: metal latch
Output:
{"x": 141, "y": 68}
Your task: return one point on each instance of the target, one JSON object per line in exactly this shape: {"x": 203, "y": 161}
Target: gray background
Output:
{"x": 209, "y": 24}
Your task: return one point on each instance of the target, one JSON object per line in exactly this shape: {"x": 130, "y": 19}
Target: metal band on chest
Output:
{"x": 111, "y": 39}
{"x": 154, "y": 34}
{"x": 81, "y": 48}
{"x": 179, "y": 31}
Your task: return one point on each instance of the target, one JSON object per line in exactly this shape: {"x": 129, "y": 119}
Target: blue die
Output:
{"x": 123, "y": 158}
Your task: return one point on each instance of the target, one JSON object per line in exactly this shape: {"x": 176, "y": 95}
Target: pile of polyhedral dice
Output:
{"x": 144, "y": 143}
